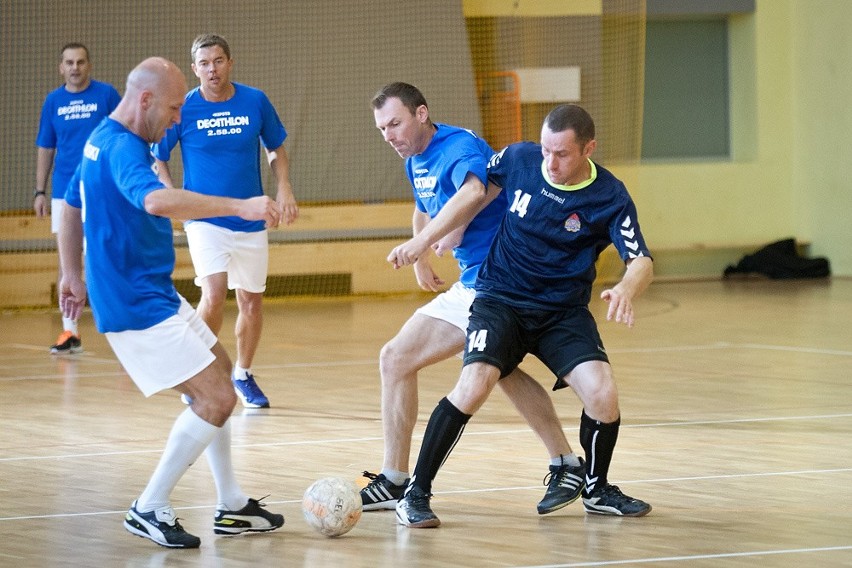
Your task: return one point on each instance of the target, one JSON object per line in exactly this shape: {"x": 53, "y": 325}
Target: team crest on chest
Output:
{"x": 572, "y": 223}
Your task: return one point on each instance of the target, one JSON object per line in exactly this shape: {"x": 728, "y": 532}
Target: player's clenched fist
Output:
{"x": 262, "y": 209}
{"x": 407, "y": 253}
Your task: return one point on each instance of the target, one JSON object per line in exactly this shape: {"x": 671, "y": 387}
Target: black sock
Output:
{"x": 444, "y": 429}
{"x": 598, "y": 439}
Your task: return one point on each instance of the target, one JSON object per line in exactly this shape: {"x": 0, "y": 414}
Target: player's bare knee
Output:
{"x": 393, "y": 362}
{"x": 601, "y": 401}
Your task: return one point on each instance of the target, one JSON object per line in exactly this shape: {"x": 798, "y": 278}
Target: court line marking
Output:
{"x": 696, "y": 557}
{"x": 159, "y": 449}
{"x": 671, "y": 349}
{"x": 472, "y": 491}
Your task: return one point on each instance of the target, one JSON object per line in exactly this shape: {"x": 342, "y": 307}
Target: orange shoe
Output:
{"x": 67, "y": 342}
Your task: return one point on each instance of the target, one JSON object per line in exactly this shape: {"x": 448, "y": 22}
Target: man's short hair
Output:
{"x": 209, "y": 40}
{"x": 73, "y": 45}
{"x": 571, "y": 117}
{"x": 410, "y": 96}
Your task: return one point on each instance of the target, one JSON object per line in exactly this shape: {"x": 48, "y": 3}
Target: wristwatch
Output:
{"x": 38, "y": 192}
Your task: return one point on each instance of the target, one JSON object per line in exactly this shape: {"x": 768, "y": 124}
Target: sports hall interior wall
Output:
{"x": 698, "y": 215}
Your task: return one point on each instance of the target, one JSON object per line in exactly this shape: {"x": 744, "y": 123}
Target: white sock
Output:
{"x": 394, "y": 476}
{"x": 240, "y": 373}
{"x": 566, "y": 459}
{"x": 229, "y": 493}
{"x": 70, "y": 325}
{"x": 187, "y": 440}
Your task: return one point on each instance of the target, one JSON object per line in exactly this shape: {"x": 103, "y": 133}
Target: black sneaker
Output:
{"x": 251, "y": 518}
{"x": 412, "y": 509}
{"x": 161, "y": 526}
{"x": 67, "y": 342}
{"x": 564, "y": 483}
{"x": 380, "y": 493}
{"x": 609, "y": 500}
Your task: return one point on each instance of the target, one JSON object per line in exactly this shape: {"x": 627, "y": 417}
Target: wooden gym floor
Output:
{"x": 737, "y": 419}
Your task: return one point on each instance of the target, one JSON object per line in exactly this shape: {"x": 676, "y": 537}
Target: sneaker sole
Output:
{"x": 142, "y": 534}
{"x": 248, "y": 404}
{"x": 235, "y": 532}
{"x": 380, "y": 506}
{"x": 427, "y": 524}
{"x": 72, "y": 351}
{"x": 615, "y": 513}
{"x": 557, "y": 507}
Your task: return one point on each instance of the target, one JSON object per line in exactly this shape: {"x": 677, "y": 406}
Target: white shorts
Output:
{"x": 452, "y": 306}
{"x": 167, "y": 354}
{"x": 244, "y": 256}
{"x": 56, "y": 214}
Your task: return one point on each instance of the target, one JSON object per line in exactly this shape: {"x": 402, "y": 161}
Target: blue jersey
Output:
{"x": 544, "y": 254}
{"x": 220, "y": 146}
{"x": 438, "y": 173}
{"x": 67, "y": 119}
{"x": 129, "y": 253}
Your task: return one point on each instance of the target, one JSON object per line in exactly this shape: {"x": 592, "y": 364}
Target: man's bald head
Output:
{"x": 153, "y": 98}
{"x": 156, "y": 74}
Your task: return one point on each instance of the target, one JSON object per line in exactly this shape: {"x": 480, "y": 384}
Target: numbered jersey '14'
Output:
{"x": 545, "y": 250}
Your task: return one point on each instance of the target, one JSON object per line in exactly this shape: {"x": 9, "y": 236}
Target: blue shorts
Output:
{"x": 502, "y": 335}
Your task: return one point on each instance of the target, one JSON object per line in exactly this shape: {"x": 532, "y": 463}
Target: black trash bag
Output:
{"x": 781, "y": 260}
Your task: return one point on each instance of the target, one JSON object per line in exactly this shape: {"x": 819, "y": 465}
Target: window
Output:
{"x": 686, "y": 103}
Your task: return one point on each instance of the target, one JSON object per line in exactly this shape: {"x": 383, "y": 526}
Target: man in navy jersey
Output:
{"x": 224, "y": 123}
{"x": 532, "y": 296}
{"x": 441, "y": 160}
{"x": 122, "y": 210}
{"x": 68, "y": 116}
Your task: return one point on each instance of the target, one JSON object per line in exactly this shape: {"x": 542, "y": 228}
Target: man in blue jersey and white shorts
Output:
{"x": 532, "y": 297}
{"x": 441, "y": 160}
{"x": 68, "y": 116}
{"x": 223, "y": 125}
{"x": 122, "y": 211}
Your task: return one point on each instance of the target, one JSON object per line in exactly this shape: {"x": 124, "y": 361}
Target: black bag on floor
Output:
{"x": 781, "y": 260}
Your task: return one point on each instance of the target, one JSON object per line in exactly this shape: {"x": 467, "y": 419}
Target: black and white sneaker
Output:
{"x": 251, "y": 518}
{"x": 161, "y": 526}
{"x": 412, "y": 509}
{"x": 380, "y": 493}
{"x": 565, "y": 484}
{"x": 609, "y": 500}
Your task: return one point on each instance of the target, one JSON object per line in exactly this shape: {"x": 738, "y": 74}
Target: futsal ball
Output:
{"x": 332, "y": 505}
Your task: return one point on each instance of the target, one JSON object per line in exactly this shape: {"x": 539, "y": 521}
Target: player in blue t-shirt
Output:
{"x": 68, "y": 116}
{"x": 532, "y": 297}
{"x": 219, "y": 136}
{"x": 440, "y": 161}
{"x": 120, "y": 210}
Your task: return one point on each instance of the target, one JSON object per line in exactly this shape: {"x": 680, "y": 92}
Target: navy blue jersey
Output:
{"x": 544, "y": 254}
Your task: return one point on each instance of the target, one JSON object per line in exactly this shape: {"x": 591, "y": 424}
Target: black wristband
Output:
{"x": 37, "y": 192}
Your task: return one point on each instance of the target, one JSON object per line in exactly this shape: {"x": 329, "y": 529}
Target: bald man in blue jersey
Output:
{"x": 220, "y": 136}
{"x": 532, "y": 297}
{"x": 441, "y": 160}
{"x": 121, "y": 210}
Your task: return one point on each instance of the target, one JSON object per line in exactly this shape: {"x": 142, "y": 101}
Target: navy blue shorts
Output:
{"x": 502, "y": 335}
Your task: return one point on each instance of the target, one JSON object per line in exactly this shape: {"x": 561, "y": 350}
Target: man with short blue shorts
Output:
{"x": 68, "y": 116}
{"x": 532, "y": 297}
{"x": 122, "y": 212}
{"x": 441, "y": 160}
{"x": 219, "y": 136}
